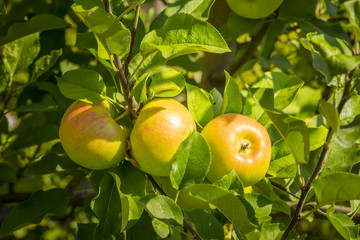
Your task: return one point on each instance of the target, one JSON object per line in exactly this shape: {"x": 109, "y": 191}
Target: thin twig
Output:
{"x": 131, "y": 102}
{"x": 156, "y": 185}
{"x": 281, "y": 187}
{"x": 133, "y": 34}
{"x": 320, "y": 163}
{"x": 6, "y": 102}
{"x": 248, "y": 53}
{"x": 75, "y": 182}
{"x": 107, "y": 6}
{"x": 186, "y": 223}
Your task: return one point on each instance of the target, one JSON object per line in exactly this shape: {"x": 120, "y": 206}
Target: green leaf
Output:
{"x": 89, "y": 41}
{"x": 228, "y": 204}
{"x": 44, "y": 63}
{"x": 139, "y": 90}
{"x": 199, "y": 9}
{"x": 291, "y": 10}
{"x": 281, "y": 62}
{"x": 199, "y": 103}
{"x": 231, "y": 182}
{"x": 60, "y": 99}
{"x": 133, "y": 185}
{"x": 205, "y": 224}
{"x": 19, "y": 54}
{"x": 285, "y": 87}
{"x": 282, "y": 164}
{"x": 350, "y": 110}
{"x": 161, "y": 228}
{"x": 162, "y": 207}
{"x": 191, "y": 161}
{"x": 38, "y": 23}
{"x": 333, "y": 56}
{"x": 268, "y": 231}
{"x": 337, "y": 187}
{"x": 305, "y": 104}
{"x": 7, "y": 174}
{"x": 34, "y": 136}
{"x": 166, "y": 83}
{"x": 139, "y": 65}
{"x": 255, "y": 103}
{"x": 36, "y": 107}
{"x": 44, "y": 165}
{"x": 85, "y": 231}
{"x": 267, "y": 190}
{"x": 330, "y": 113}
{"x": 84, "y": 85}
{"x": 217, "y": 101}
{"x": 110, "y": 32}
{"x": 340, "y": 158}
{"x": 318, "y": 62}
{"x": 3, "y": 9}
{"x": 317, "y": 137}
{"x": 183, "y": 34}
{"x": 232, "y": 102}
{"x": 343, "y": 224}
{"x": 332, "y": 8}
{"x": 143, "y": 229}
{"x": 107, "y": 207}
{"x": 89, "y": 4}
{"x": 294, "y": 132}
{"x": 349, "y": 134}
{"x": 32, "y": 211}
{"x": 261, "y": 205}
{"x": 353, "y": 10}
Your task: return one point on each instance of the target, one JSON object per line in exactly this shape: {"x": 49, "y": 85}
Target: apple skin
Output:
{"x": 238, "y": 142}
{"x": 160, "y": 128}
{"x": 90, "y": 137}
{"x": 254, "y": 9}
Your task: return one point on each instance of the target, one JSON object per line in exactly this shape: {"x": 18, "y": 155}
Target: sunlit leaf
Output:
{"x": 83, "y": 84}
{"x": 110, "y": 32}
{"x": 191, "y": 161}
{"x": 166, "y": 83}
{"x": 232, "y": 102}
{"x": 343, "y": 224}
{"x": 199, "y": 103}
{"x": 183, "y": 34}
{"x": 337, "y": 187}
{"x": 228, "y": 204}
{"x": 162, "y": 207}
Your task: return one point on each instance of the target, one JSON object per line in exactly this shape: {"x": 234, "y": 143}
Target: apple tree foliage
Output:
{"x": 295, "y": 71}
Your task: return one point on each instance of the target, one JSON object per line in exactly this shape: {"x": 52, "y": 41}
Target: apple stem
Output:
{"x": 321, "y": 162}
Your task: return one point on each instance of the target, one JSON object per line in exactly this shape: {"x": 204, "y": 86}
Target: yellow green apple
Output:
{"x": 240, "y": 143}
{"x": 254, "y": 8}
{"x": 90, "y": 136}
{"x": 160, "y": 128}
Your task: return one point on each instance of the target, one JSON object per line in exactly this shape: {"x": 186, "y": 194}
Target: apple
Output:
{"x": 240, "y": 143}
{"x": 254, "y": 8}
{"x": 160, "y": 128}
{"x": 90, "y": 136}
{"x": 185, "y": 199}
